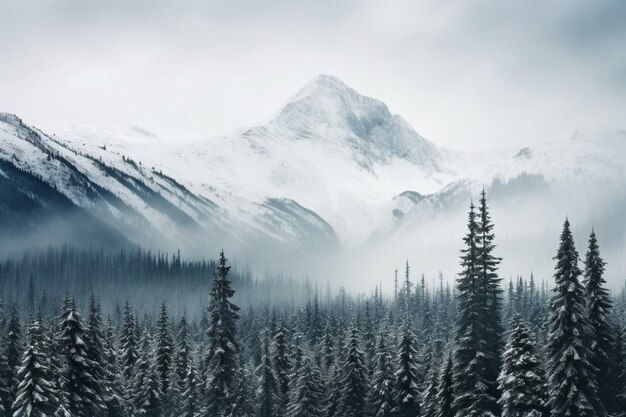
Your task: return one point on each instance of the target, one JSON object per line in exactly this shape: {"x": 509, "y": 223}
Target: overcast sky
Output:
{"x": 471, "y": 75}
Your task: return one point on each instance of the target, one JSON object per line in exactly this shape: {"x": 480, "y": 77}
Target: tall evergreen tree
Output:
{"x": 308, "y": 392}
{"x": 146, "y": 391}
{"x": 522, "y": 380}
{"x": 353, "y": 378}
{"x": 84, "y": 390}
{"x": 164, "y": 352}
{"x": 445, "y": 393}
{"x": 599, "y": 306}
{"x": 406, "y": 389}
{"x": 267, "y": 396}
{"x": 36, "y": 394}
{"x": 10, "y": 361}
{"x": 429, "y": 406}
{"x": 190, "y": 401}
{"x": 487, "y": 265}
{"x": 380, "y": 398}
{"x": 471, "y": 386}
{"x": 129, "y": 344}
{"x": 282, "y": 368}
{"x": 183, "y": 355}
{"x": 223, "y": 345}
{"x": 573, "y": 388}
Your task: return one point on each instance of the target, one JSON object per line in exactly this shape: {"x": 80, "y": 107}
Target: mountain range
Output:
{"x": 333, "y": 175}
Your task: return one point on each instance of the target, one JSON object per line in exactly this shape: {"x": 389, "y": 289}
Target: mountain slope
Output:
{"x": 331, "y": 169}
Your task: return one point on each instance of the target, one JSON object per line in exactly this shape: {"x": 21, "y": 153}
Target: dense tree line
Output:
{"x": 483, "y": 347}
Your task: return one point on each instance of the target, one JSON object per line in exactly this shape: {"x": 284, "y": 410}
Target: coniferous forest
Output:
{"x": 82, "y": 337}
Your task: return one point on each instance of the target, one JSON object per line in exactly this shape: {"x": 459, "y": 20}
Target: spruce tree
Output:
{"x": 429, "y": 406}
{"x": 406, "y": 389}
{"x": 190, "y": 401}
{"x": 599, "y": 306}
{"x": 445, "y": 393}
{"x": 487, "y": 265}
{"x": 308, "y": 392}
{"x": 84, "y": 391}
{"x": 164, "y": 352}
{"x": 353, "y": 378}
{"x": 522, "y": 380}
{"x": 471, "y": 386}
{"x": 268, "y": 390}
{"x": 571, "y": 377}
{"x": 10, "y": 361}
{"x": 223, "y": 345}
{"x": 36, "y": 394}
{"x": 380, "y": 398}
{"x": 146, "y": 391}
{"x": 182, "y": 361}
{"x": 129, "y": 345}
{"x": 282, "y": 368}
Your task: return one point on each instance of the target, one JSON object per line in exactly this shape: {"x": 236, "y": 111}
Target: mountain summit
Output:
{"x": 329, "y": 111}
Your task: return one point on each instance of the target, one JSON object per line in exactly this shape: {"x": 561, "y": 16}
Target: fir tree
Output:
{"x": 599, "y": 305}
{"x": 353, "y": 378}
{"x": 573, "y": 389}
{"x": 308, "y": 393}
{"x": 36, "y": 395}
{"x": 406, "y": 388}
{"x": 522, "y": 380}
{"x": 129, "y": 346}
{"x": 10, "y": 361}
{"x": 83, "y": 389}
{"x": 164, "y": 354}
{"x": 430, "y": 396}
{"x": 445, "y": 393}
{"x": 223, "y": 345}
{"x": 267, "y": 395}
{"x": 190, "y": 402}
{"x": 487, "y": 265}
{"x": 282, "y": 369}
{"x": 380, "y": 398}
{"x": 183, "y": 360}
{"x": 471, "y": 387}
{"x": 146, "y": 392}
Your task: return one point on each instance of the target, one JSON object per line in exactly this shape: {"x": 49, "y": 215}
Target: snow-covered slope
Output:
{"x": 330, "y": 168}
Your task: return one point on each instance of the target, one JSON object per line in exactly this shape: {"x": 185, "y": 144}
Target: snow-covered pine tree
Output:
{"x": 328, "y": 348}
{"x": 10, "y": 361}
{"x": 571, "y": 377}
{"x": 282, "y": 369}
{"x": 112, "y": 374}
{"x": 471, "y": 387}
{"x": 36, "y": 395}
{"x": 94, "y": 348}
{"x": 182, "y": 361}
{"x": 445, "y": 392}
{"x": 406, "y": 386}
{"x": 223, "y": 345}
{"x": 333, "y": 388}
{"x": 267, "y": 396}
{"x": 380, "y": 396}
{"x": 307, "y": 399}
{"x": 599, "y": 305}
{"x": 353, "y": 378}
{"x": 522, "y": 380}
{"x": 146, "y": 391}
{"x": 84, "y": 391}
{"x": 164, "y": 353}
{"x": 487, "y": 264}
{"x": 243, "y": 398}
{"x": 129, "y": 345}
{"x": 429, "y": 406}
{"x": 190, "y": 401}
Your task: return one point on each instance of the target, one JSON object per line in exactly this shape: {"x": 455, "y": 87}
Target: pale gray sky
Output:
{"x": 468, "y": 75}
